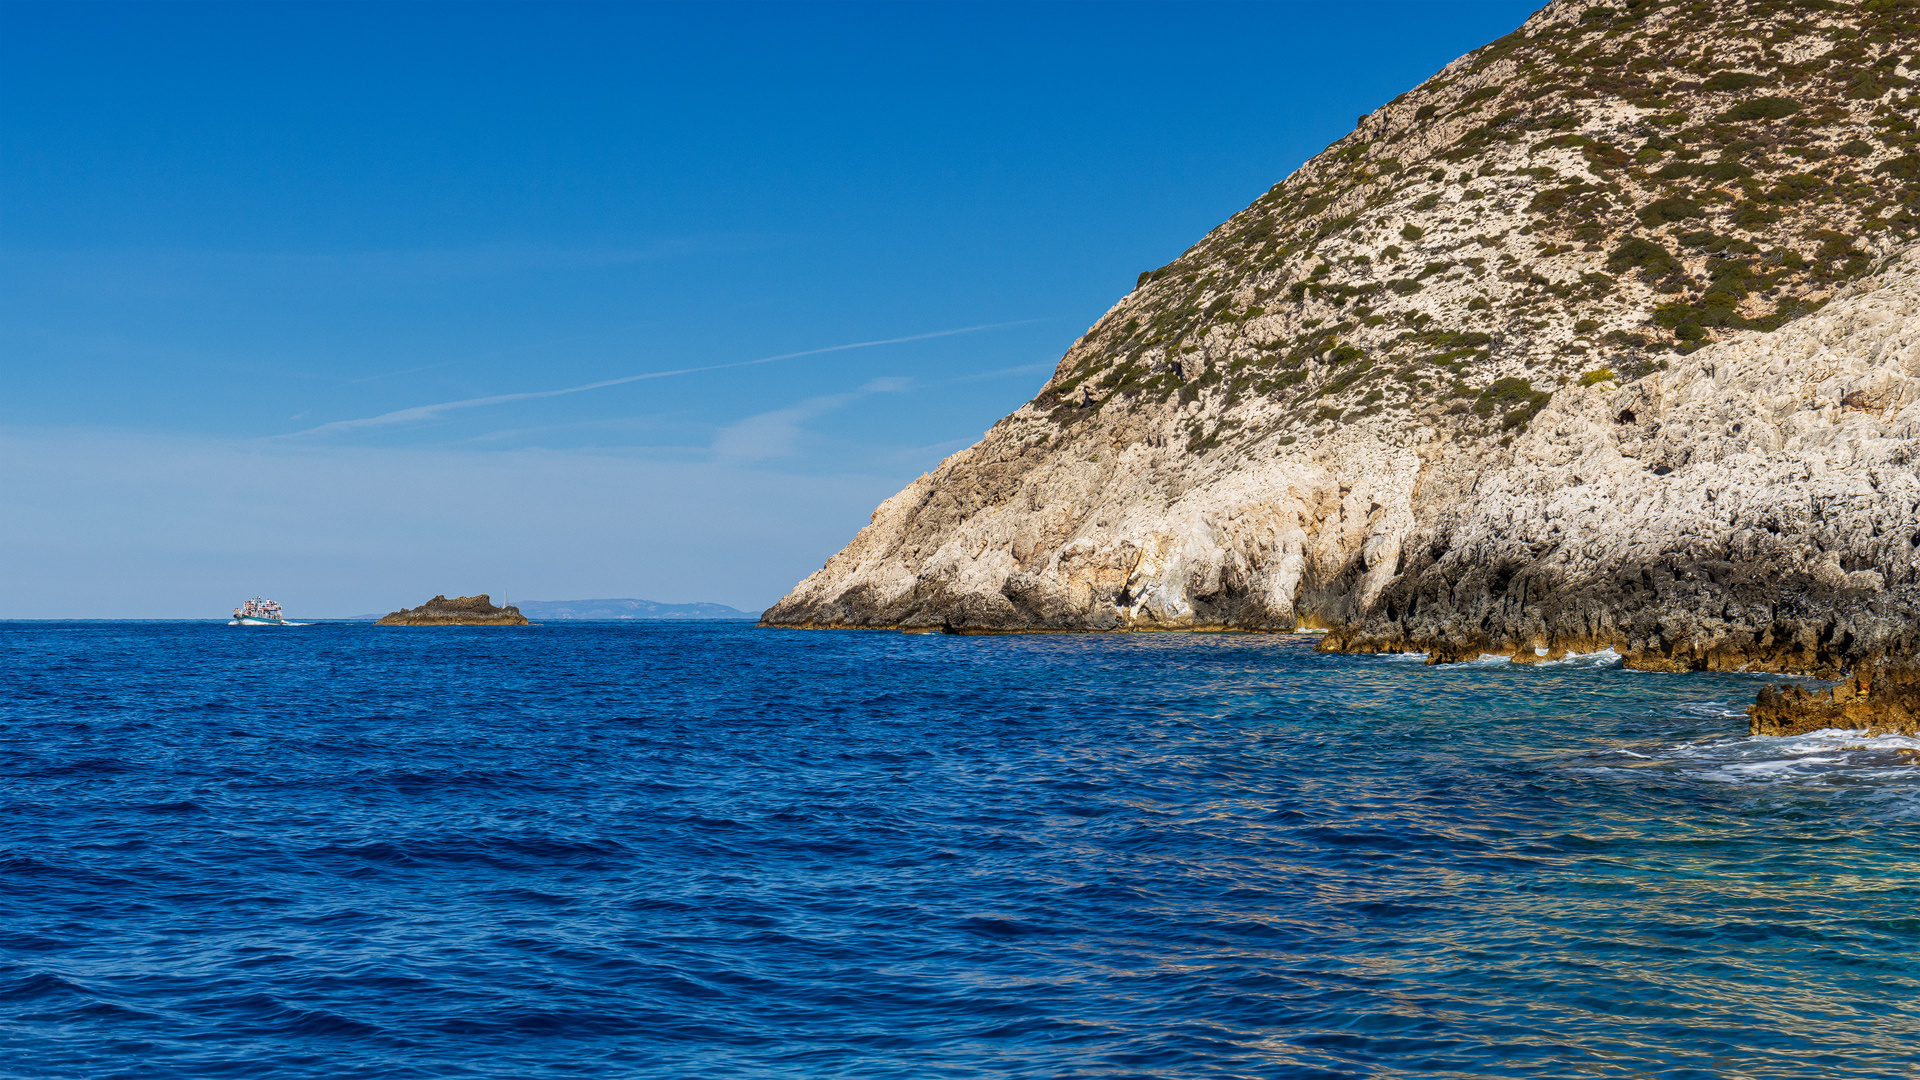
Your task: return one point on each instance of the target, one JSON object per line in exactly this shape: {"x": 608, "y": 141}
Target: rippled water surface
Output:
{"x": 605, "y": 850}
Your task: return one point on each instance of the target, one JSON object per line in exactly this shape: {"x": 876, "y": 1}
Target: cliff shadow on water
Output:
{"x": 1606, "y": 336}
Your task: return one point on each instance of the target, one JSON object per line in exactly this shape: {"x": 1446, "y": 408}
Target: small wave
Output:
{"x": 1712, "y": 710}
{"x": 1812, "y": 756}
{"x": 268, "y": 1015}
{"x": 1604, "y": 658}
{"x": 30, "y": 986}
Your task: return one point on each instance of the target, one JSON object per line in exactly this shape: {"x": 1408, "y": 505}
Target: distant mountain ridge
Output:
{"x": 628, "y": 609}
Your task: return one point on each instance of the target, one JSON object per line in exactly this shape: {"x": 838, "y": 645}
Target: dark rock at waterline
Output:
{"x": 475, "y": 610}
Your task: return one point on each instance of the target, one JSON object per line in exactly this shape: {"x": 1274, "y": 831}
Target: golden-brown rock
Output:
{"x": 1881, "y": 696}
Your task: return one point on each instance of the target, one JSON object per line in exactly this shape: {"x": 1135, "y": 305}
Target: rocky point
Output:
{"x": 1608, "y": 335}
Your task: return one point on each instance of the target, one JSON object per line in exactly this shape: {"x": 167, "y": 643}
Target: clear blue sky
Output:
{"x": 244, "y": 247}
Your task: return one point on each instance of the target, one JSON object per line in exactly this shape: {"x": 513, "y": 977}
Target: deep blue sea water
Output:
{"x": 706, "y": 850}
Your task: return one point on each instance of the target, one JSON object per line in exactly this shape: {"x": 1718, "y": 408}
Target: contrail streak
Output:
{"x": 427, "y": 412}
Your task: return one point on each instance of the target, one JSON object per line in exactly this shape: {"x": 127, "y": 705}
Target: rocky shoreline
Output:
{"x": 460, "y": 611}
{"x": 1632, "y": 364}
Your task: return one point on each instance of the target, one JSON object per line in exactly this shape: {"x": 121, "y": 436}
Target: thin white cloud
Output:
{"x": 428, "y": 412}
{"x": 778, "y": 433}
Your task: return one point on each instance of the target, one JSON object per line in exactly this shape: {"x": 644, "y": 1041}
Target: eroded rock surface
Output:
{"x": 1607, "y": 335}
{"x": 459, "y": 611}
{"x": 1756, "y": 504}
{"x": 1882, "y": 697}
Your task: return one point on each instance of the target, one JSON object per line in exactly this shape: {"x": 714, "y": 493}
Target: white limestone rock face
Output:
{"x": 1602, "y": 336}
{"x": 1756, "y": 504}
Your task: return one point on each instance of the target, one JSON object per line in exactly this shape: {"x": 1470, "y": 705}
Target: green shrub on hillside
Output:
{"x": 1901, "y": 168}
{"x": 1637, "y": 251}
{"x": 1668, "y": 210}
{"x": 1763, "y": 108}
{"x": 1514, "y": 396}
{"x": 1731, "y": 80}
{"x": 1717, "y": 170}
{"x": 1475, "y": 97}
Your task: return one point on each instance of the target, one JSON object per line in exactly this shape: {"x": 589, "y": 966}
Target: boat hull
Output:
{"x": 254, "y": 620}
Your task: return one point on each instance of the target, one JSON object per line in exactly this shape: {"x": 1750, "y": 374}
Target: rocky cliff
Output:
{"x": 459, "y": 611}
{"x": 1604, "y": 335}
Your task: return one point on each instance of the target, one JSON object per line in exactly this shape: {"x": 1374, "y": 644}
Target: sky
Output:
{"x": 352, "y": 304}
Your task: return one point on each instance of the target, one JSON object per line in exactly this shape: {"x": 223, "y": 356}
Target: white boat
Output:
{"x": 258, "y": 612}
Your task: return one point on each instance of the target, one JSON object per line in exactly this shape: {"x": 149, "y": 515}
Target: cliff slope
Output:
{"x": 1530, "y": 360}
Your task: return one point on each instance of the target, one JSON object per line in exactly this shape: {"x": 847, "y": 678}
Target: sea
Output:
{"x": 680, "y": 849}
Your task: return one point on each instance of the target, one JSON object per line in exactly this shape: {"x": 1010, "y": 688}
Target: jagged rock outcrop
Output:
{"x": 1605, "y": 335}
{"x": 1879, "y": 695}
{"x": 459, "y": 611}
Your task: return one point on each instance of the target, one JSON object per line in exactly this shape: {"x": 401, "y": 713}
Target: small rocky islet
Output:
{"x": 1606, "y": 336}
{"x": 477, "y": 610}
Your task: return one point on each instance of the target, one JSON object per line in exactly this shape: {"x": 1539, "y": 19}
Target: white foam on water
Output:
{"x": 1814, "y": 756}
{"x": 1712, "y": 710}
{"x": 1604, "y": 658}
{"x": 1607, "y": 657}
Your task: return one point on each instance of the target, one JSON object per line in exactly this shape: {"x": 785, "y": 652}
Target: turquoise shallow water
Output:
{"x": 707, "y": 850}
